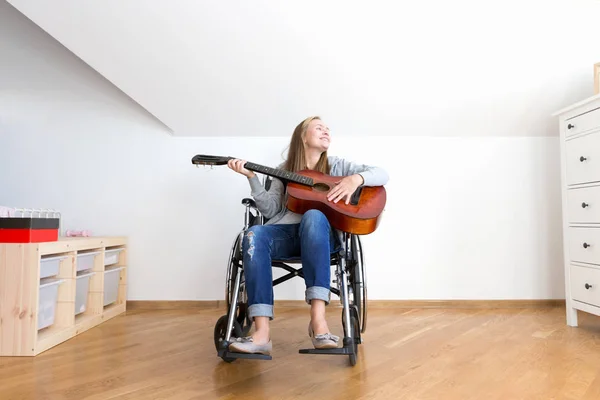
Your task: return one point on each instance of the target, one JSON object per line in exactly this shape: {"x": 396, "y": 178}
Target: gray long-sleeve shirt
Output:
{"x": 272, "y": 203}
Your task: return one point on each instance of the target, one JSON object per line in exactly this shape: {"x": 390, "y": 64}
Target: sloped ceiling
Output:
{"x": 256, "y": 68}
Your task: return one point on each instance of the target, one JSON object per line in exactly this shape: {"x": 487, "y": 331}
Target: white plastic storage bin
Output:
{"x": 82, "y": 289}
{"x": 85, "y": 261}
{"x": 47, "y": 302}
{"x": 111, "y": 284}
{"x": 111, "y": 256}
{"x": 49, "y": 266}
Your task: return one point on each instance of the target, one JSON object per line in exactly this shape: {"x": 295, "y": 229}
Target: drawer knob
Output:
{"x": 570, "y": 126}
{"x": 585, "y": 245}
{"x": 582, "y": 158}
{"x": 584, "y": 205}
{"x": 588, "y": 286}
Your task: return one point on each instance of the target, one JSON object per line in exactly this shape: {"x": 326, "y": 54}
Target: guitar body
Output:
{"x": 361, "y": 218}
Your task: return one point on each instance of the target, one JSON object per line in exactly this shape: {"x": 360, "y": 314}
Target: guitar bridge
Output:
{"x": 355, "y": 196}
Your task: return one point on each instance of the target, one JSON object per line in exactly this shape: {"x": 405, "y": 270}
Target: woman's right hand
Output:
{"x": 238, "y": 166}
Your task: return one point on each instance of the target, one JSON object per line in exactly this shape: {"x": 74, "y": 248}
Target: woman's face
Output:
{"x": 317, "y": 136}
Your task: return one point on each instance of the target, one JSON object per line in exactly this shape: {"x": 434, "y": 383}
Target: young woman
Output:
{"x": 287, "y": 235}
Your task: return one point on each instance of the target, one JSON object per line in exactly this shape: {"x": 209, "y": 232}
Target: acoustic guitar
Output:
{"x": 308, "y": 190}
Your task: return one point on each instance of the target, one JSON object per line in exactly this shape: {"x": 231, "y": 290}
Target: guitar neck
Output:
{"x": 280, "y": 173}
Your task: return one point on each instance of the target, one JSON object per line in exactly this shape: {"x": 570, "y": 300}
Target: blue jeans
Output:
{"x": 313, "y": 240}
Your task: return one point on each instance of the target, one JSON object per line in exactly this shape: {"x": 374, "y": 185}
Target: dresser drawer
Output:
{"x": 583, "y": 159}
{"x": 585, "y": 284}
{"x": 583, "y": 205}
{"x": 582, "y": 123}
{"x": 584, "y": 245}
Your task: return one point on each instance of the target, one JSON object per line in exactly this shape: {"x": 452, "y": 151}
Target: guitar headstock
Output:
{"x": 201, "y": 159}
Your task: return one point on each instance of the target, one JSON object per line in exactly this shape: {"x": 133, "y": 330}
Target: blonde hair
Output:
{"x": 296, "y": 159}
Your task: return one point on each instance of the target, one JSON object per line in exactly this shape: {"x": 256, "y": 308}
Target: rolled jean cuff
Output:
{"x": 319, "y": 293}
{"x": 260, "y": 310}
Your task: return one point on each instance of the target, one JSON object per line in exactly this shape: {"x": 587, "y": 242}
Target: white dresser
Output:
{"x": 580, "y": 165}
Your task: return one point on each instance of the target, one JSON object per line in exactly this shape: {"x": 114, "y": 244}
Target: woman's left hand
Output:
{"x": 345, "y": 188}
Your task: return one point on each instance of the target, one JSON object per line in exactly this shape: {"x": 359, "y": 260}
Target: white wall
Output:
{"x": 467, "y": 217}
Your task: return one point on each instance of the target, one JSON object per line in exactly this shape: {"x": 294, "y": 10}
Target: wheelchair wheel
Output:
{"x": 233, "y": 262}
{"x": 353, "y": 318}
{"x": 355, "y": 326}
{"x": 220, "y": 333}
{"x": 233, "y": 267}
{"x": 359, "y": 282}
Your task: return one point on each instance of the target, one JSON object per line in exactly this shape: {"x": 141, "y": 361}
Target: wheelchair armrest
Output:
{"x": 249, "y": 202}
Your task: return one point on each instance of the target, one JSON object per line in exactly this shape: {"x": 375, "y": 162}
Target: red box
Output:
{"x": 28, "y": 230}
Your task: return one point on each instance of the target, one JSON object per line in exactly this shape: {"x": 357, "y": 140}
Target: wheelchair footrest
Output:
{"x": 340, "y": 351}
{"x": 231, "y": 354}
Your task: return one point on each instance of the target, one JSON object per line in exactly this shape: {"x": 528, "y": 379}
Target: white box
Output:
{"x": 85, "y": 261}
{"x": 111, "y": 284}
{"x": 49, "y": 266}
{"x": 47, "y": 302}
{"x": 111, "y": 256}
{"x": 82, "y": 288}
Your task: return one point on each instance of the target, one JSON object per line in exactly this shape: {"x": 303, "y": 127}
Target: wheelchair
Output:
{"x": 349, "y": 284}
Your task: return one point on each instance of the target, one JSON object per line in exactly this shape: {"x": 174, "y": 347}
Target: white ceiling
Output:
{"x": 240, "y": 68}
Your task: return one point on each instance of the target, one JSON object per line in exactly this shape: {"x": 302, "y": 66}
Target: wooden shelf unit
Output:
{"x": 19, "y": 292}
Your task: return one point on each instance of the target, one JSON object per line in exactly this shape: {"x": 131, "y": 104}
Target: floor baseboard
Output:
{"x": 472, "y": 304}
{"x": 483, "y": 304}
{"x": 174, "y": 304}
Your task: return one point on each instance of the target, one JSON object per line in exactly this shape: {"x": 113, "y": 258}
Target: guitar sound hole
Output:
{"x": 321, "y": 187}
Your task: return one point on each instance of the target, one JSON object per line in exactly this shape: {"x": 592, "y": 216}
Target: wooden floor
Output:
{"x": 407, "y": 354}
